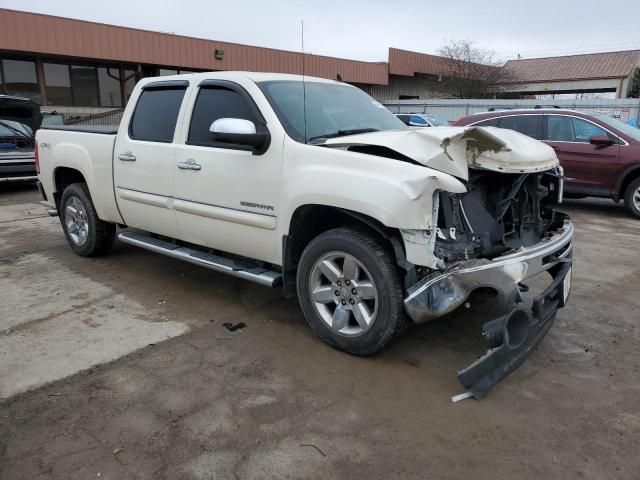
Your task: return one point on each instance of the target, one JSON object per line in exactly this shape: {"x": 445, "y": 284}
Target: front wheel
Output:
{"x": 86, "y": 233}
{"x": 632, "y": 198}
{"x": 350, "y": 291}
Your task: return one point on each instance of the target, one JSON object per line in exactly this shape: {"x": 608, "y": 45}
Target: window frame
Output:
{"x": 260, "y": 122}
{"x": 620, "y": 141}
{"x": 159, "y": 85}
{"x": 3, "y": 77}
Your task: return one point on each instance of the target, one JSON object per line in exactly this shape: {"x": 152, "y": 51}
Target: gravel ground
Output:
{"x": 119, "y": 368}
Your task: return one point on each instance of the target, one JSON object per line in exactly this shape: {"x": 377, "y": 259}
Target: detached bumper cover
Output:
{"x": 441, "y": 293}
{"x": 513, "y": 337}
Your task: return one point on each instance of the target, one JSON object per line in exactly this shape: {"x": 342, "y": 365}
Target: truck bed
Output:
{"x": 89, "y": 150}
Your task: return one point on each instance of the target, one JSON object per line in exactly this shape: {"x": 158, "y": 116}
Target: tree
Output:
{"x": 471, "y": 71}
{"x": 635, "y": 85}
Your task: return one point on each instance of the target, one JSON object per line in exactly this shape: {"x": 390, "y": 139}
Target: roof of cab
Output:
{"x": 230, "y": 75}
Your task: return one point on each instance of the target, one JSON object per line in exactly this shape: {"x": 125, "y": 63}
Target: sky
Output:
{"x": 365, "y": 29}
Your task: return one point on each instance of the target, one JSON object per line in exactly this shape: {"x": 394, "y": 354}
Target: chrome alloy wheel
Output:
{"x": 343, "y": 294}
{"x": 636, "y": 199}
{"x": 75, "y": 219}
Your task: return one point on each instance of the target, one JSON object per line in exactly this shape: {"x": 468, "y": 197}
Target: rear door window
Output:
{"x": 530, "y": 125}
{"x": 212, "y": 104}
{"x": 156, "y": 114}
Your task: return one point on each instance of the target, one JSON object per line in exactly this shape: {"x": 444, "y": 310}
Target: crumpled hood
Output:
{"x": 454, "y": 150}
{"x": 20, "y": 110}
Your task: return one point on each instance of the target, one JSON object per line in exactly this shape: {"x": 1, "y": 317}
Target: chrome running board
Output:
{"x": 217, "y": 263}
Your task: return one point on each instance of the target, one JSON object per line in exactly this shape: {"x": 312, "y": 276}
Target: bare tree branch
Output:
{"x": 473, "y": 72}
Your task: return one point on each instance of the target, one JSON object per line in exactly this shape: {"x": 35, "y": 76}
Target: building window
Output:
{"x": 20, "y": 79}
{"x": 109, "y": 87}
{"x": 130, "y": 81}
{"x": 84, "y": 84}
{"x": 57, "y": 83}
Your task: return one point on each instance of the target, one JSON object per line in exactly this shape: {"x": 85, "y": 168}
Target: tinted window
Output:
{"x": 492, "y": 122}
{"x": 212, "y": 104}
{"x": 156, "y": 114}
{"x": 418, "y": 120}
{"x": 57, "y": 84}
{"x": 109, "y": 87}
{"x": 584, "y": 130}
{"x": 84, "y": 83}
{"x": 529, "y": 125}
{"x": 571, "y": 129}
{"x": 404, "y": 118}
{"x": 20, "y": 79}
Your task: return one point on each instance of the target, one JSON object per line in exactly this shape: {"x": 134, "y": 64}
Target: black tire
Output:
{"x": 633, "y": 189}
{"x": 390, "y": 318}
{"x": 100, "y": 236}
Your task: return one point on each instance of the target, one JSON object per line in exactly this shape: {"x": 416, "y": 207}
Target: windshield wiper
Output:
{"x": 342, "y": 133}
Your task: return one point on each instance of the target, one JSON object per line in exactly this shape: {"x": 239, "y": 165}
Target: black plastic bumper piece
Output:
{"x": 513, "y": 337}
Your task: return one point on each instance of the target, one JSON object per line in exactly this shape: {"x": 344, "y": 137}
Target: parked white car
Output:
{"x": 370, "y": 223}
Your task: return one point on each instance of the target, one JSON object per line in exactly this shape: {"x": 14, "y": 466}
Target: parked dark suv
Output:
{"x": 600, "y": 155}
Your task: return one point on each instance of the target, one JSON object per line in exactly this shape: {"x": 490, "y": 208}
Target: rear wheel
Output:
{"x": 632, "y": 198}
{"x": 350, "y": 291}
{"x": 86, "y": 233}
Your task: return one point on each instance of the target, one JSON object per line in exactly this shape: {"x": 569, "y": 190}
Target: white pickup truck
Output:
{"x": 312, "y": 186}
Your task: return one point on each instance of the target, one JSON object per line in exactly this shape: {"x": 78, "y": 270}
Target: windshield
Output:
{"x": 331, "y": 109}
{"x": 620, "y": 125}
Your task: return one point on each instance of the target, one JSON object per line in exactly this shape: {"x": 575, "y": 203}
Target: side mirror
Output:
{"x": 237, "y": 131}
{"x": 600, "y": 141}
{"x": 415, "y": 124}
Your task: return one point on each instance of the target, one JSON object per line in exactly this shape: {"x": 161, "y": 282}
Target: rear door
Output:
{"x": 589, "y": 169}
{"x": 529, "y": 124}
{"x": 144, "y": 158}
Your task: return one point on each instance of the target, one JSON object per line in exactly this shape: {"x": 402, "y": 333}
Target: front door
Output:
{"x": 226, "y": 196}
{"x": 589, "y": 169}
{"x": 144, "y": 159}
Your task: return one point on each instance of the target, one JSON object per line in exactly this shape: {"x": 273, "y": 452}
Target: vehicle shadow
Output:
{"x": 18, "y": 192}
{"x": 594, "y": 205}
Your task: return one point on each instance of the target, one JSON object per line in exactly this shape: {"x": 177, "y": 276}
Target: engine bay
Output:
{"x": 500, "y": 212}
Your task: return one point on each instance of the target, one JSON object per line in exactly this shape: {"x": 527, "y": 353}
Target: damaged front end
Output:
{"x": 495, "y": 236}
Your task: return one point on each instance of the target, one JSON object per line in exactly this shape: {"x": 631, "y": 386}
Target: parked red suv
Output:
{"x": 600, "y": 155}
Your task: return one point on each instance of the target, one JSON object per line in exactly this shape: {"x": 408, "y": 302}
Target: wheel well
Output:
{"x": 630, "y": 177}
{"x": 63, "y": 177}
{"x": 309, "y": 221}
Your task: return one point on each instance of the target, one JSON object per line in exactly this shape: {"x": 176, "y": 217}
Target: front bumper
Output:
{"x": 442, "y": 292}
{"x": 512, "y": 337}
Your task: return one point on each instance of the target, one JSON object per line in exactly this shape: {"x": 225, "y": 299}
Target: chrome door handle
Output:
{"x": 189, "y": 165}
{"x": 127, "y": 157}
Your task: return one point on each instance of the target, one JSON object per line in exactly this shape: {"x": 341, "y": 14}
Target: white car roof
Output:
{"x": 254, "y": 76}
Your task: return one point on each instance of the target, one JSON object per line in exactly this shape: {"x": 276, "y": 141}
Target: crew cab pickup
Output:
{"x": 312, "y": 186}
